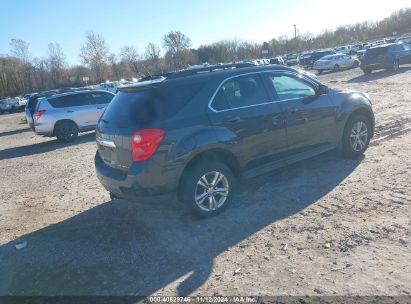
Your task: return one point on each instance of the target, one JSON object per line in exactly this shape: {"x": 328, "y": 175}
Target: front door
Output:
{"x": 311, "y": 117}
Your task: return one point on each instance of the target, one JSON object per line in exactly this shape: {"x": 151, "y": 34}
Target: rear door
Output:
{"x": 311, "y": 118}
{"x": 243, "y": 106}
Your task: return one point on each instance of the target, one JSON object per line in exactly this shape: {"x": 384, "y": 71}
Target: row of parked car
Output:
{"x": 12, "y": 104}
{"x": 380, "y": 55}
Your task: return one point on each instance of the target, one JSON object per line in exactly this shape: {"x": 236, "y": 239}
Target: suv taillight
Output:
{"x": 145, "y": 142}
{"x": 38, "y": 114}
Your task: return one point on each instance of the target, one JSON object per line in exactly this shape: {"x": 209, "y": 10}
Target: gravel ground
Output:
{"x": 326, "y": 226}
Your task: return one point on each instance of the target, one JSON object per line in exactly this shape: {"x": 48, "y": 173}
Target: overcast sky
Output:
{"x": 134, "y": 22}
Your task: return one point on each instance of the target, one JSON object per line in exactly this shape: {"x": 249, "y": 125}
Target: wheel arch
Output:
{"x": 361, "y": 111}
{"x": 64, "y": 120}
{"x": 214, "y": 154}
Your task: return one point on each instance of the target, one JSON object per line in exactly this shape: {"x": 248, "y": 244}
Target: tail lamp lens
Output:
{"x": 145, "y": 142}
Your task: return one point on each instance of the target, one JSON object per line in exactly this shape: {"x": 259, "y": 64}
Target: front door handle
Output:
{"x": 100, "y": 108}
{"x": 232, "y": 119}
{"x": 70, "y": 111}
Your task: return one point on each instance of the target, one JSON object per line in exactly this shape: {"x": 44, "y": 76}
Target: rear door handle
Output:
{"x": 232, "y": 119}
{"x": 70, "y": 111}
{"x": 100, "y": 108}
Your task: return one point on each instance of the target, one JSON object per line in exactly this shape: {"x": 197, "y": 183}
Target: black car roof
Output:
{"x": 198, "y": 74}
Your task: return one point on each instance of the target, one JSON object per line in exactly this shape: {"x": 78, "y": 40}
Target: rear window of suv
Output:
{"x": 149, "y": 105}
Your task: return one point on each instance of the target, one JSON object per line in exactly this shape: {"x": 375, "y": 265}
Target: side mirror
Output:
{"x": 322, "y": 89}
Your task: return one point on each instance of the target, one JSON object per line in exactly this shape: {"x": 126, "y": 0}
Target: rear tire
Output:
{"x": 356, "y": 136}
{"x": 207, "y": 188}
{"x": 336, "y": 68}
{"x": 366, "y": 71}
{"x": 66, "y": 131}
{"x": 355, "y": 64}
{"x": 320, "y": 71}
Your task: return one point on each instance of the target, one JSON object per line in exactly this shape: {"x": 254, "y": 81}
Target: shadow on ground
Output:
{"x": 13, "y": 132}
{"x": 121, "y": 248}
{"x": 378, "y": 75}
{"x": 43, "y": 147}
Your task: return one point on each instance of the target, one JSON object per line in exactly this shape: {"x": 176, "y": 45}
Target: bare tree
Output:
{"x": 20, "y": 50}
{"x": 94, "y": 53}
{"x": 152, "y": 52}
{"x": 130, "y": 55}
{"x": 56, "y": 63}
{"x": 112, "y": 58}
{"x": 177, "y": 47}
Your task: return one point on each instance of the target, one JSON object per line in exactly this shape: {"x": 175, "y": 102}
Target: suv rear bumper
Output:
{"x": 143, "y": 181}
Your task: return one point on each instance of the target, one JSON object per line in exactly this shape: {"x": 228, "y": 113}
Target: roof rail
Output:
{"x": 210, "y": 68}
{"x": 195, "y": 71}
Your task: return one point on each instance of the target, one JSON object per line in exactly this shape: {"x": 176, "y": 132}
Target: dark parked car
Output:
{"x": 307, "y": 60}
{"x": 195, "y": 133}
{"x": 277, "y": 60}
{"x": 386, "y": 56}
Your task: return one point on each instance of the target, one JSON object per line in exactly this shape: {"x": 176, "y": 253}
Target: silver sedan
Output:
{"x": 335, "y": 63}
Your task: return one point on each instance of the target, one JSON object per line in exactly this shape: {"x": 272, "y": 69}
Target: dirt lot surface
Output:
{"x": 322, "y": 227}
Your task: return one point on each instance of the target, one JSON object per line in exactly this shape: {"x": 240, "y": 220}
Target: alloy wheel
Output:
{"x": 211, "y": 191}
{"x": 359, "y": 136}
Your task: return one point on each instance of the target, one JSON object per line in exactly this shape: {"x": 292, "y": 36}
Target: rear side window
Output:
{"x": 101, "y": 98}
{"x": 240, "y": 92}
{"x": 74, "y": 100}
{"x": 377, "y": 51}
{"x": 145, "y": 107}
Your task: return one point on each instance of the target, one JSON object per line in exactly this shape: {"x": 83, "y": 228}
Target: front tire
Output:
{"x": 395, "y": 66}
{"x": 66, "y": 131}
{"x": 356, "y": 136}
{"x": 336, "y": 68}
{"x": 208, "y": 188}
{"x": 319, "y": 72}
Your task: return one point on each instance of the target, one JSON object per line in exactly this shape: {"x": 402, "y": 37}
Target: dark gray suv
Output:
{"x": 194, "y": 133}
{"x": 388, "y": 56}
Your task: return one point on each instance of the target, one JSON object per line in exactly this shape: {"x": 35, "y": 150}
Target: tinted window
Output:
{"x": 240, "y": 92}
{"x": 145, "y": 107}
{"x": 406, "y": 47}
{"x": 288, "y": 87}
{"x": 74, "y": 100}
{"x": 377, "y": 51}
{"x": 101, "y": 98}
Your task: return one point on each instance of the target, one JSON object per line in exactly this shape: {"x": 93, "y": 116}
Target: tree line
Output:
{"x": 21, "y": 73}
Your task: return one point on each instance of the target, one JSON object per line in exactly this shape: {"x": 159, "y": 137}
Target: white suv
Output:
{"x": 65, "y": 115}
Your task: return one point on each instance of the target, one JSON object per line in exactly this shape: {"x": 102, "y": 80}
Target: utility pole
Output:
{"x": 295, "y": 32}
{"x": 295, "y": 37}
